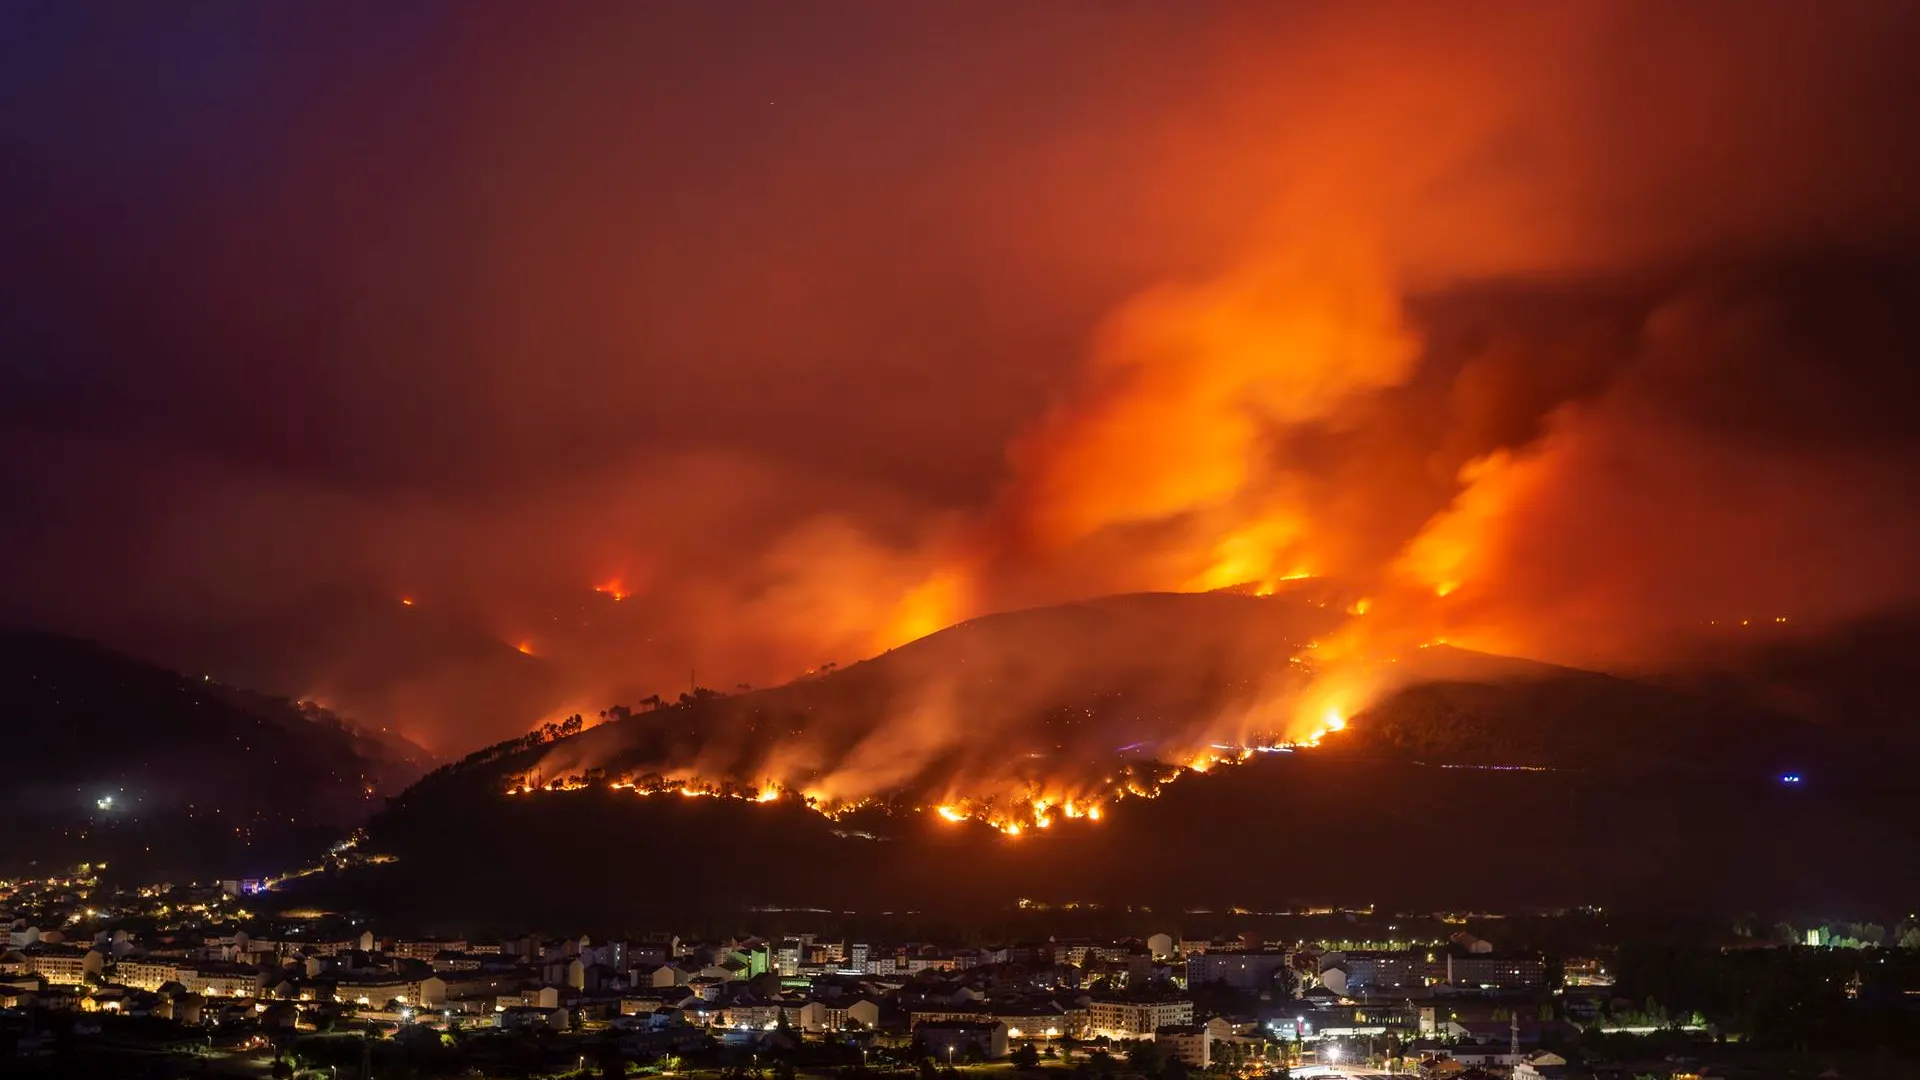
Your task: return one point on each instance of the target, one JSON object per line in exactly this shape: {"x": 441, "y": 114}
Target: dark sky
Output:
{"x": 781, "y": 313}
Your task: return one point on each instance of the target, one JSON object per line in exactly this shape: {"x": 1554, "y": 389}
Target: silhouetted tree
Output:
{"x": 1145, "y": 1057}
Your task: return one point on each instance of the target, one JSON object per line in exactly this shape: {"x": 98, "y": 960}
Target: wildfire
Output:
{"x": 523, "y": 647}
{"x": 929, "y": 607}
{"x": 612, "y": 589}
{"x": 406, "y": 601}
{"x": 1010, "y": 807}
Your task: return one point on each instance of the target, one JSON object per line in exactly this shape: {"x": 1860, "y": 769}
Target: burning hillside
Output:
{"x": 1021, "y": 721}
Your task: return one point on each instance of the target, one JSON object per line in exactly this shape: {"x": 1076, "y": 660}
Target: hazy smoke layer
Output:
{"x": 645, "y": 347}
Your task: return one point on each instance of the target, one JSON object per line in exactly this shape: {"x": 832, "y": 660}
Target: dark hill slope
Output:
{"x": 114, "y": 758}
{"x": 1460, "y": 707}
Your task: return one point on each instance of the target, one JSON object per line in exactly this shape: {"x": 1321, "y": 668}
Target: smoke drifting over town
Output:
{"x": 525, "y": 366}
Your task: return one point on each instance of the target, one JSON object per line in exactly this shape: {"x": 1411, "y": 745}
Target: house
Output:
{"x": 1541, "y": 1065}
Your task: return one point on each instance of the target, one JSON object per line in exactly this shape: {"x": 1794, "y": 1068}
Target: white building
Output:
{"x": 65, "y": 967}
{"x": 146, "y": 974}
{"x": 220, "y": 980}
{"x": 1136, "y": 1019}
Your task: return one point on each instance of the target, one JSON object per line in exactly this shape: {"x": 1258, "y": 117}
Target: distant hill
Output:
{"x": 1462, "y": 707}
{"x": 423, "y": 666}
{"x": 113, "y": 758}
{"x": 1484, "y": 781}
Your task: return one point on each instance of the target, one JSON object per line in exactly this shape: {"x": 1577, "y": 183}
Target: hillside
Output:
{"x": 1633, "y": 792}
{"x": 422, "y": 667}
{"x": 115, "y": 758}
{"x": 1465, "y": 708}
{"x": 1065, "y": 692}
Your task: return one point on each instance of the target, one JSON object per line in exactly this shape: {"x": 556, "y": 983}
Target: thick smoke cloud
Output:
{"x": 817, "y": 331}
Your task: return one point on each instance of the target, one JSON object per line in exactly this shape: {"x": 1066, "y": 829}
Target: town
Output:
{"x": 186, "y": 979}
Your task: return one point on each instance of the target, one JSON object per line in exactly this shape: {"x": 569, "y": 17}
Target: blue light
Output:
{"x": 1790, "y": 778}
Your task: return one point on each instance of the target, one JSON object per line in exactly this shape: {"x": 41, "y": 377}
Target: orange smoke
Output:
{"x": 1187, "y": 382}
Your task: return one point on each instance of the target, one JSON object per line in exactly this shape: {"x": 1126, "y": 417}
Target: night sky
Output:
{"x": 814, "y": 327}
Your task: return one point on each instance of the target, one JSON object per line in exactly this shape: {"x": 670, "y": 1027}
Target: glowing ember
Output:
{"x": 1012, "y": 807}
{"x": 613, "y": 589}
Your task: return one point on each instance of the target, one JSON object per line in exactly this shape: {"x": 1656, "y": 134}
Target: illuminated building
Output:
{"x": 1136, "y": 1019}
{"x": 1191, "y": 1043}
{"x": 1497, "y": 971}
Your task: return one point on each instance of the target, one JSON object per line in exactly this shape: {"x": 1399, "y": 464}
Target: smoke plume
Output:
{"x": 465, "y": 372}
